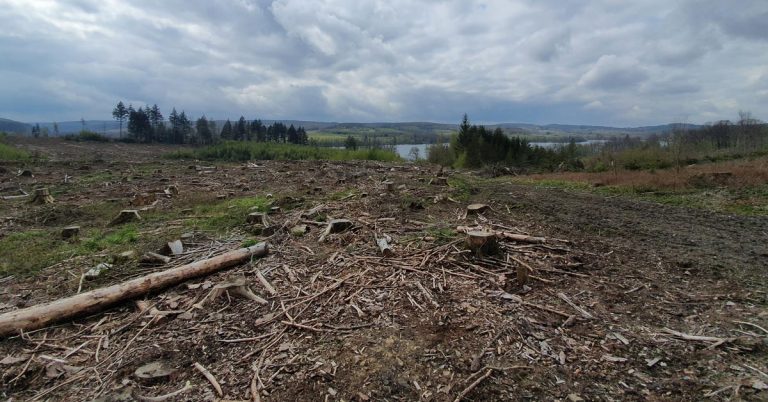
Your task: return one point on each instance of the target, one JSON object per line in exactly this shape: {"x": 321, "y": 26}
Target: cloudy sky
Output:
{"x": 611, "y": 62}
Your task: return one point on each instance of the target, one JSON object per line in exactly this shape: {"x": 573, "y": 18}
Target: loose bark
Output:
{"x": 41, "y": 315}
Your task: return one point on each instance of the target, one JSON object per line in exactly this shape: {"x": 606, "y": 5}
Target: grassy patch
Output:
{"x": 244, "y": 151}
{"x": 100, "y": 241}
{"x": 10, "y": 153}
{"x": 225, "y": 215}
{"x": 751, "y": 200}
{"x": 461, "y": 190}
{"x": 26, "y": 253}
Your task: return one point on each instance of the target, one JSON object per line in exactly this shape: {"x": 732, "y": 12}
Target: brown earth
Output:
{"x": 348, "y": 324}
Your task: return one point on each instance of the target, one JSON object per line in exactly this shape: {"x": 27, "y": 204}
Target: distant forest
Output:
{"x": 147, "y": 125}
{"x": 476, "y": 146}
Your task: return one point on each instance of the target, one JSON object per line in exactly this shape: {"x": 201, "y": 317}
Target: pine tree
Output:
{"x": 303, "y": 137}
{"x": 173, "y": 120}
{"x": 119, "y": 113}
{"x": 292, "y": 135}
{"x": 139, "y": 126}
{"x": 226, "y": 131}
{"x": 204, "y": 131}
{"x": 258, "y": 131}
{"x": 186, "y": 134}
{"x": 240, "y": 129}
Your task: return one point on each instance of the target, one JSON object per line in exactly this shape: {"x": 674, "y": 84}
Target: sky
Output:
{"x": 607, "y": 62}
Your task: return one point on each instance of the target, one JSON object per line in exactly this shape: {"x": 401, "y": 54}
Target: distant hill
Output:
{"x": 12, "y": 126}
{"x": 422, "y": 131}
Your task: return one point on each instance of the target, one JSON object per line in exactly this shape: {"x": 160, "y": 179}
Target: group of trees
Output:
{"x": 147, "y": 125}
{"x": 257, "y": 131}
{"x": 476, "y": 146}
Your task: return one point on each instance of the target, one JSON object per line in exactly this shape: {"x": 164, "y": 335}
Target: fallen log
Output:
{"x": 41, "y": 315}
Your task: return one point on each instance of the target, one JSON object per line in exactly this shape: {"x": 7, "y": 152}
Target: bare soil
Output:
{"x": 666, "y": 303}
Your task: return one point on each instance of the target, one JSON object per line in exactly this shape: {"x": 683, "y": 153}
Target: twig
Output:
{"x": 689, "y": 337}
{"x": 162, "y": 398}
{"x": 583, "y": 312}
{"x": 266, "y": 283}
{"x": 753, "y": 325}
{"x": 210, "y": 378}
{"x": 473, "y": 385}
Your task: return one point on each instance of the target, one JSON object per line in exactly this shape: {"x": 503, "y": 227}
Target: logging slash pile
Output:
{"x": 403, "y": 289}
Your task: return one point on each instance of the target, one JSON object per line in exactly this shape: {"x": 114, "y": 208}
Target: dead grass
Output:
{"x": 739, "y": 186}
{"x": 743, "y": 174}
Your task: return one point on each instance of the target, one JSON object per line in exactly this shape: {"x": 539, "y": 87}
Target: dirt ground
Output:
{"x": 627, "y": 300}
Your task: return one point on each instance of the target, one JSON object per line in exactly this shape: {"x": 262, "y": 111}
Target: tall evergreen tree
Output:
{"x": 258, "y": 131}
{"x": 240, "y": 129}
{"x": 139, "y": 125}
{"x": 186, "y": 134}
{"x": 204, "y": 133}
{"x": 175, "y": 126}
{"x": 120, "y": 113}
{"x": 303, "y": 137}
{"x": 292, "y": 135}
{"x": 226, "y": 131}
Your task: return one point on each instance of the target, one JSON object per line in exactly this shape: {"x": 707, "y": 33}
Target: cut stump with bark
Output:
{"x": 482, "y": 242}
{"x": 41, "y": 196}
{"x": 336, "y": 226}
{"x": 125, "y": 216}
{"x": 70, "y": 232}
{"x": 477, "y": 208}
{"x": 257, "y": 218}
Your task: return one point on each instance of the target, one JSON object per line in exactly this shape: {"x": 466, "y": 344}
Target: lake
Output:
{"x": 404, "y": 150}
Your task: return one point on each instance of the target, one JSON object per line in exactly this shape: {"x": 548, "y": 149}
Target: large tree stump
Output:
{"x": 125, "y": 216}
{"x": 41, "y": 196}
{"x": 70, "y": 232}
{"x": 482, "y": 242}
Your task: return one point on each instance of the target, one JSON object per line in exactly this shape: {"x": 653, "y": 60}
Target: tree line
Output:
{"x": 475, "y": 146}
{"x": 147, "y": 125}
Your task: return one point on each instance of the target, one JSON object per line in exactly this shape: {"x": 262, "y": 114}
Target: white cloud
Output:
{"x": 590, "y": 62}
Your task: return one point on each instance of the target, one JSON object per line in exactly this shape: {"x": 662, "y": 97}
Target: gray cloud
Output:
{"x": 543, "y": 61}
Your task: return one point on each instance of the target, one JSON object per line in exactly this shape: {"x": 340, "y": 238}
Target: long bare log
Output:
{"x": 41, "y": 315}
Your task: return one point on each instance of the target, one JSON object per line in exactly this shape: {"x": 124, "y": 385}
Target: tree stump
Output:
{"x": 477, "y": 208}
{"x": 482, "y": 242}
{"x": 390, "y": 186}
{"x": 336, "y": 226}
{"x": 142, "y": 199}
{"x": 172, "y": 248}
{"x": 125, "y": 216}
{"x": 41, "y": 196}
{"x": 257, "y": 218}
{"x": 70, "y": 232}
{"x": 440, "y": 181}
